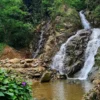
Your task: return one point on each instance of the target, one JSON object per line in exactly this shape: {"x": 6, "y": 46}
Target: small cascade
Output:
{"x": 58, "y": 60}
{"x": 44, "y": 30}
{"x": 84, "y": 21}
{"x": 90, "y": 53}
{"x": 39, "y": 44}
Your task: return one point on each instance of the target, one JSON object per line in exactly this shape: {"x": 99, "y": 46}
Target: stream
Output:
{"x": 60, "y": 90}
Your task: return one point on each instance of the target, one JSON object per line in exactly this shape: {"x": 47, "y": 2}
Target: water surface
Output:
{"x": 60, "y": 90}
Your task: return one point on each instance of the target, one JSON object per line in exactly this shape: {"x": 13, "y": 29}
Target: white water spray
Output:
{"x": 58, "y": 59}
{"x": 84, "y": 21}
{"x": 91, "y": 50}
{"x": 90, "y": 53}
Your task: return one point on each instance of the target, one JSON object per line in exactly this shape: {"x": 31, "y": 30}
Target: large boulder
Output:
{"x": 75, "y": 51}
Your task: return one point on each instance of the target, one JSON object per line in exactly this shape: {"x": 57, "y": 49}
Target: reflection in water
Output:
{"x": 60, "y": 90}
{"x": 86, "y": 85}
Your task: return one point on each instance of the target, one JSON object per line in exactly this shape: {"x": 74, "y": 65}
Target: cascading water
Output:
{"x": 91, "y": 51}
{"x": 58, "y": 59}
{"x": 39, "y": 45}
{"x": 44, "y": 30}
{"x": 84, "y": 21}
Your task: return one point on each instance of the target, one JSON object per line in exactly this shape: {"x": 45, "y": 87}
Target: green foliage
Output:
{"x": 77, "y": 4}
{"x": 13, "y": 87}
{"x": 14, "y": 29}
{"x": 2, "y": 46}
{"x": 19, "y": 18}
{"x": 94, "y": 7}
{"x": 55, "y": 6}
{"x": 36, "y": 11}
{"x": 92, "y": 4}
{"x": 97, "y": 12}
{"x": 47, "y": 5}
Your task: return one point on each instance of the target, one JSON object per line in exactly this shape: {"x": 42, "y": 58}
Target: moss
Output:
{"x": 97, "y": 58}
{"x": 2, "y": 46}
{"x": 69, "y": 22}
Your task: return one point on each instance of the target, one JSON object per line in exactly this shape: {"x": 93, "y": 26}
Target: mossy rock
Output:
{"x": 46, "y": 77}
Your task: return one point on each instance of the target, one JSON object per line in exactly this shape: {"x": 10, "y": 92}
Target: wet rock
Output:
{"x": 75, "y": 51}
{"x": 61, "y": 76}
{"x": 94, "y": 74}
{"x": 29, "y": 60}
{"x": 22, "y": 61}
{"x": 46, "y": 77}
{"x": 96, "y": 81}
{"x": 74, "y": 68}
{"x": 26, "y": 65}
{"x": 93, "y": 94}
{"x": 73, "y": 81}
{"x": 37, "y": 75}
{"x": 93, "y": 70}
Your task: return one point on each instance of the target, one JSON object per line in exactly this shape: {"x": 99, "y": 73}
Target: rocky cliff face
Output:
{"x": 57, "y": 32}
{"x": 75, "y": 52}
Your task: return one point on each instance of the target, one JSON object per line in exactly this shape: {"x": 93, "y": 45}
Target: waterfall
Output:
{"x": 39, "y": 44}
{"x": 91, "y": 49}
{"x": 90, "y": 53}
{"x": 58, "y": 59}
{"x": 84, "y": 21}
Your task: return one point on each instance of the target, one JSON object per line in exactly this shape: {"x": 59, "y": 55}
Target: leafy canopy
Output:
{"x": 14, "y": 29}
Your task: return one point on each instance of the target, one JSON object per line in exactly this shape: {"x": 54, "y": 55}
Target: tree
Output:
{"x": 13, "y": 28}
{"x": 77, "y": 4}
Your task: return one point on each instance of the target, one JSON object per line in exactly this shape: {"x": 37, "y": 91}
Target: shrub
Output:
{"x": 15, "y": 30}
{"x": 12, "y": 87}
{"x": 2, "y": 46}
{"x": 77, "y": 4}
